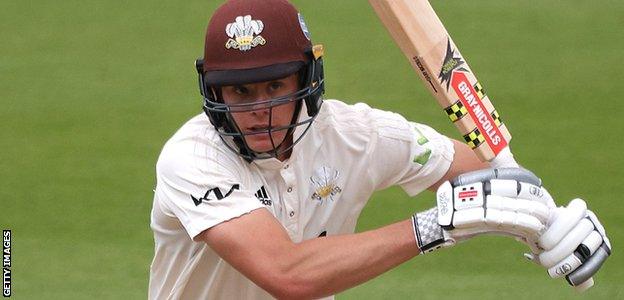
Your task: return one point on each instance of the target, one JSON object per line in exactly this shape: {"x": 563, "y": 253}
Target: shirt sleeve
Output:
{"x": 201, "y": 192}
{"x": 411, "y": 155}
{"x": 431, "y": 155}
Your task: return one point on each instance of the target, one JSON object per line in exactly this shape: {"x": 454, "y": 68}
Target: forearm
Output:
{"x": 328, "y": 265}
{"x": 257, "y": 245}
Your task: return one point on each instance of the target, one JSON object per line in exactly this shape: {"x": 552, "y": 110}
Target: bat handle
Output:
{"x": 585, "y": 285}
{"x": 504, "y": 159}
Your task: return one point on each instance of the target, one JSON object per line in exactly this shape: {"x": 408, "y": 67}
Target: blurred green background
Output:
{"x": 91, "y": 90}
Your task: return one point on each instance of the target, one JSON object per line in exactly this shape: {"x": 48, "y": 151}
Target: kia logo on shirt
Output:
{"x": 217, "y": 193}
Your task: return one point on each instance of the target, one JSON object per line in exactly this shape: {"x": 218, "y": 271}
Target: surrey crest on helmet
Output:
{"x": 244, "y": 33}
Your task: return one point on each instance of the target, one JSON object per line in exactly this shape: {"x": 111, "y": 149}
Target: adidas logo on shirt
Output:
{"x": 263, "y": 197}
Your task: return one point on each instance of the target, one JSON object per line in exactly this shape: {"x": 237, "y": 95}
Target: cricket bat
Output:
{"x": 417, "y": 30}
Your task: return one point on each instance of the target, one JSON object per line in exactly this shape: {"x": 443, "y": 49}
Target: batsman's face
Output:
{"x": 256, "y": 115}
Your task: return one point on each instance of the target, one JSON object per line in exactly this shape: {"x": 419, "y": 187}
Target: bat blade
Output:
{"x": 417, "y": 30}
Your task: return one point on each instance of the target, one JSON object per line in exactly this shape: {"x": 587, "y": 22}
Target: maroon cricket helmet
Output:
{"x": 251, "y": 41}
{"x": 254, "y": 40}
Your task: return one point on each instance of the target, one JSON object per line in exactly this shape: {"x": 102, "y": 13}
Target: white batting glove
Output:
{"x": 575, "y": 245}
{"x": 502, "y": 201}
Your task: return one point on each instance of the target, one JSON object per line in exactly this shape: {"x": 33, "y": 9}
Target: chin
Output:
{"x": 262, "y": 143}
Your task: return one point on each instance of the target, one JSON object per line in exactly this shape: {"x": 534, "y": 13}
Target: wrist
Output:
{"x": 428, "y": 233}
{"x": 504, "y": 159}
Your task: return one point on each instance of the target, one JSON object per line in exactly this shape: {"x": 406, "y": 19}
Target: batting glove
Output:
{"x": 501, "y": 201}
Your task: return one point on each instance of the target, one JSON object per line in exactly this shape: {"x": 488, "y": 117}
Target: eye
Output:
{"x": 275, "y": 85}
{"x": 241, "y": 90}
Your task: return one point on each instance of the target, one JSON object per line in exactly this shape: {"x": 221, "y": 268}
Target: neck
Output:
{"x": 285, "y": 145}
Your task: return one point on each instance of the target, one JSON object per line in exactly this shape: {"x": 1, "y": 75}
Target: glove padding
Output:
{"x": 575, "y": 244}
{"x": 502, "y": 201}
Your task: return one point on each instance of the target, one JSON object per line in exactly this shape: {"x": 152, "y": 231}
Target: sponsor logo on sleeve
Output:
{"x": 214, "y": 194}
{"x": 423, "y": 153}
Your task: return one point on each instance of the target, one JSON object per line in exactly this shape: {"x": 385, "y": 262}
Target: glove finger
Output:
{"x": 474, "y": 176}
{"x": 589, "y": 268}
{"x": 514, "y": 223}
{"x": 566, "y": 266}
{"x": 517, "y": 189}
{"x": 497, "y": 220}
{"x": 568, "y": 244}
{"x": 528, "y": 207}
{"x": 470, "y": 217}
{"x": 565, "y": 219}
{"x": 536, "y": 193}
{"x": 582, "y": 254}
{"x": 503, "y": 187}
{"x": 590, "y": 244}
{"x": 518, "y": 174}
{"x": 513, "y": 188}
{"x": 599, "y": 228}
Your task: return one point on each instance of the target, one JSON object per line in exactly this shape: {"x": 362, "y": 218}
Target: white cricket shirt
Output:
{"x": 350, "y": 152}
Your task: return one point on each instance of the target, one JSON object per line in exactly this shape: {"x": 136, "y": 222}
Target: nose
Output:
{"x": 260, "y": 111}
{"x": 261, "y": 107}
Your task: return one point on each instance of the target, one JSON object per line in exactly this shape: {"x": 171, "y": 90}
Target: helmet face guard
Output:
{"x": 220, "y": 114}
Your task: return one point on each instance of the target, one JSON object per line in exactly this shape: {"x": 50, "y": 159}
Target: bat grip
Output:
{"x": 585, "y": 285}
{"x": 504, "y": 159}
